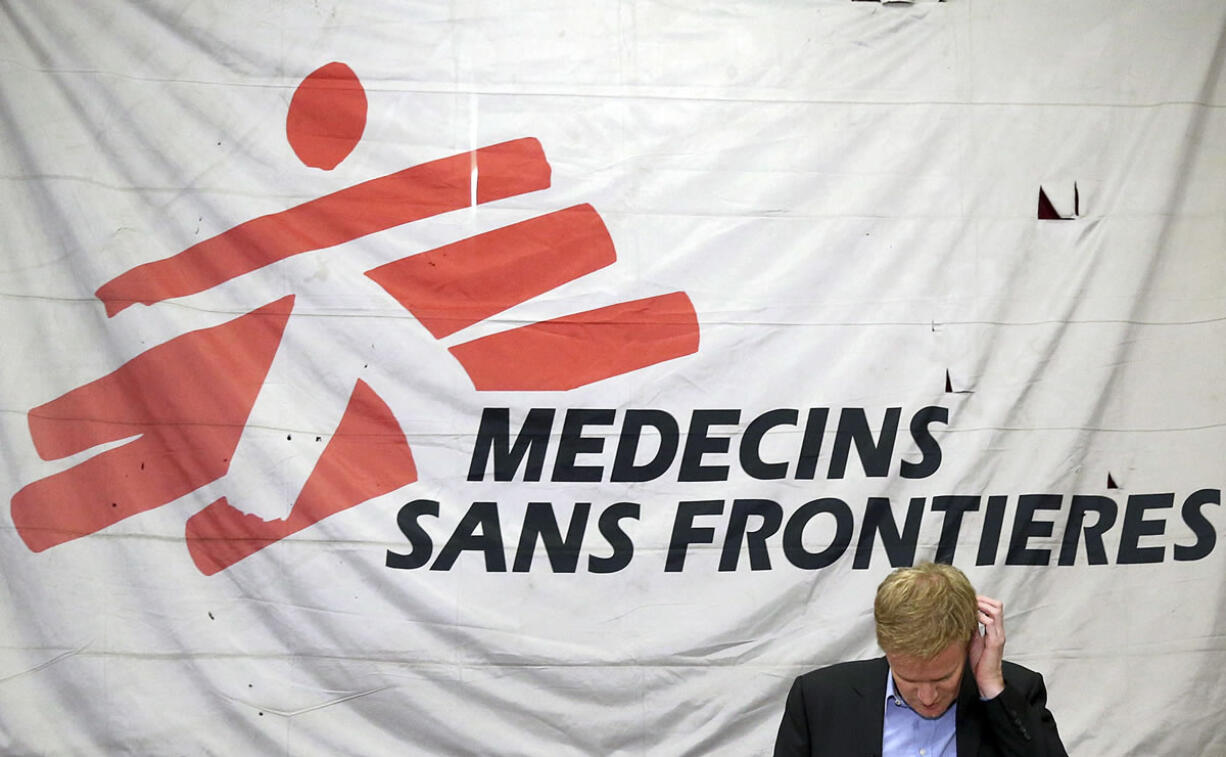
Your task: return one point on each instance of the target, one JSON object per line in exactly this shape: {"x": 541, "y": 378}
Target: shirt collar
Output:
{"x": 890, "y": 693}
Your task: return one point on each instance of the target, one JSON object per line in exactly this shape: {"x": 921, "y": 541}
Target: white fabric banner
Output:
{"x": 543, "y": 378}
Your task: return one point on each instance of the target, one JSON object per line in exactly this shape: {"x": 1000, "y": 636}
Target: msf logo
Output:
{"x": 182, "y": 406}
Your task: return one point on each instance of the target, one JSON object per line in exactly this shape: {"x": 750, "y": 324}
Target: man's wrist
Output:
{"x": 991, "y": 689}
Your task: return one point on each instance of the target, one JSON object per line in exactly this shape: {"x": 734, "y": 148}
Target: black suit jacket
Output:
{"x": 838, "y": 712}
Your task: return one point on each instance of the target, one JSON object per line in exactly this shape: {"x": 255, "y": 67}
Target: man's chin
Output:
{"x": 931, "y": 713}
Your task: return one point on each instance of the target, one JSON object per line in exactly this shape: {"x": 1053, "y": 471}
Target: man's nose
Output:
{"x": 928, "y": 695}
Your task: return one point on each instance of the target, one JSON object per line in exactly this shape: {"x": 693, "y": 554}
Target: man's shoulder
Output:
{"x": 1020, "y": 675}
{"x": 1007, "y": 665}
{"x": 843, "y": 672}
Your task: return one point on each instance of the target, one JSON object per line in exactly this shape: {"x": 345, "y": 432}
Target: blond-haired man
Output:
{"x": 941, "y": 690}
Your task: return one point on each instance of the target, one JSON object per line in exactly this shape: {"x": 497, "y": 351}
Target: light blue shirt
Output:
{"x": 906, "y": 733}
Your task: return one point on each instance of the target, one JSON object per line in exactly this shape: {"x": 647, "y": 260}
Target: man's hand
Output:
{"x": 988, "y": 648}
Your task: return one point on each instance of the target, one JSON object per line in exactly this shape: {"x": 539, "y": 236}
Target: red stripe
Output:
{"x": 425, "y": 190}
{"x": 451, "y": 287}
{"x": 186, "y": 401}
{"x": 579, "y": 349}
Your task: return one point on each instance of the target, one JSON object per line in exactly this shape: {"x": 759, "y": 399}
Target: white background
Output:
{"x": 845, "y": 190}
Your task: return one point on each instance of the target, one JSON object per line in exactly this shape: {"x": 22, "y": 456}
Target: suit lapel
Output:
{"x": 968, "y": 723}
{"x": 870, "y": 709}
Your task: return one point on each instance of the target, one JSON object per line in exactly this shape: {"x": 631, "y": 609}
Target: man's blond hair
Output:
{"x": 922, "y": 610}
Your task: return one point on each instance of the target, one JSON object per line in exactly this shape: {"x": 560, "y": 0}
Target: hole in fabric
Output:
{"x": 1058, "y": 201}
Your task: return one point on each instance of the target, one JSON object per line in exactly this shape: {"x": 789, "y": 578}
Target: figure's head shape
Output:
{"x": 327, "y": 116}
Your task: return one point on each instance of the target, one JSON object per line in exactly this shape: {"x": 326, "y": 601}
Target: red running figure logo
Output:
{"x": 187, "y": 401}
